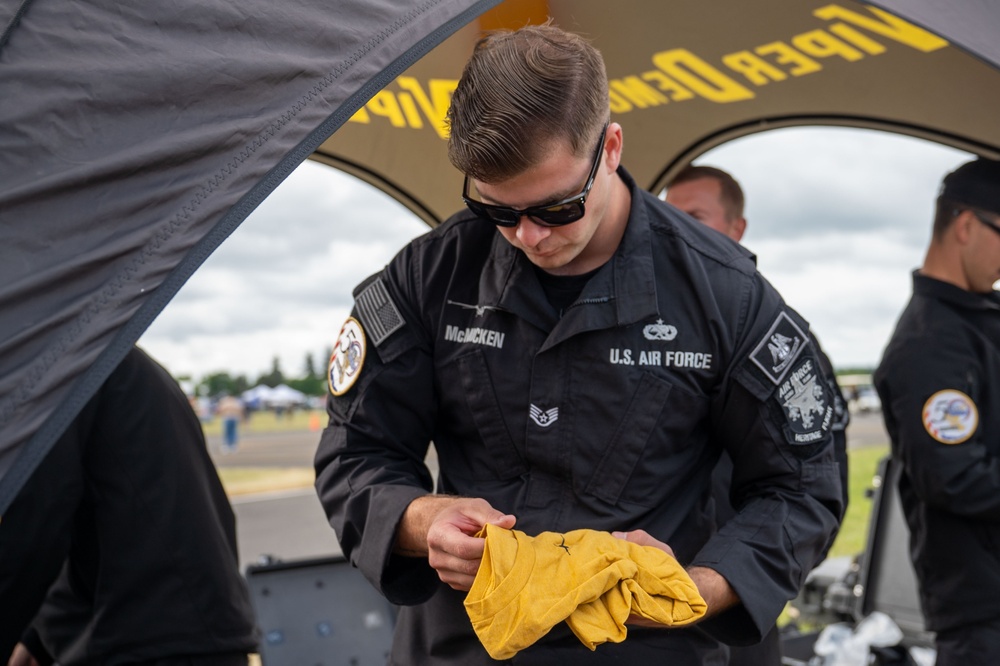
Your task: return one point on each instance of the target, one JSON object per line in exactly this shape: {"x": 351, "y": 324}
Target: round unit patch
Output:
{"x": 950, "y": 416}
{"x": 348, "y": 357}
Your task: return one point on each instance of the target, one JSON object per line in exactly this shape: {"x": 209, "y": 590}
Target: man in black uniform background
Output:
{"x": 939, "y": 381}
{"x": 121, "y": 547}
{"x": 714, "y": 198}
{"x": 580, "y": 354}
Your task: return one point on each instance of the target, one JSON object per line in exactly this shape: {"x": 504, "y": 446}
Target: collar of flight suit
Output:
{"x": 508, "y": 281}
{"x": 924, "y": 285}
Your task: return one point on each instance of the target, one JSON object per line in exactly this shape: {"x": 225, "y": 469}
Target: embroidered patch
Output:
{"x": 779, "y": 348}
{"x": 348, "y": 357}
{"x": 950, "y": 416}
{"x": 380, "y": 314}
{"x": 544, "y": 419}
{"x": 659, "y": 331}
{"x": 805, "y": 399}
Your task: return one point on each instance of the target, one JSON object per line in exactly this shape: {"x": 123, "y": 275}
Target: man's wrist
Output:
{"x": 411, "y": 535}
{"x": 714, "y": 589}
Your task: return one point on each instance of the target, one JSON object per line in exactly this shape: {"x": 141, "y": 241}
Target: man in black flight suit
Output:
{"x": 714, "y": 198}
{"x": 939, "y": 381}
{"x": 579, "y": 353}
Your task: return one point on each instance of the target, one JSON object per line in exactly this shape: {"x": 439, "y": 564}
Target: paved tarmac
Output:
{"x": 290, "y": 525}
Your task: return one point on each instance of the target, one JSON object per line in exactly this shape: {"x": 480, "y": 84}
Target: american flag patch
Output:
{"x": 378, "y": 313}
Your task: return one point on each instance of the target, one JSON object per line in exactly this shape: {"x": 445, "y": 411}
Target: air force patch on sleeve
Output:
{"x": 348, "y": 357}
{"x": 950, "y": 416}
{"x": 805, "y": 399}
{"x": 779, "y": 348}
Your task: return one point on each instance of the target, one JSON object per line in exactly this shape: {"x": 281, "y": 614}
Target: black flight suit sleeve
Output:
{"x": 776, "y": 425}
{"x": 370, "y": 460}
{"x": 35, "y": 532}
{"x": 964, "y": 478}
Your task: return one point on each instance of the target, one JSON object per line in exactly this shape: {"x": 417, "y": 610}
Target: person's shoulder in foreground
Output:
{"x": 137, "y": 511}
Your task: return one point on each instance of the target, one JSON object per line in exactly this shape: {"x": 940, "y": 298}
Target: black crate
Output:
{"x": 319, "y": 612}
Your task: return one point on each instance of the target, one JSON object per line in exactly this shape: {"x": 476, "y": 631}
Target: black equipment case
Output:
{"x": 319, "y": 612}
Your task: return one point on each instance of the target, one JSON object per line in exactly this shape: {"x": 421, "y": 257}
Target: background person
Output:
{"x": 939, "y": 381}
{"x": 121, "y": 547}
{"x": 579, "y": 353}
{"x": 230, "y": 409}
{"x": 714, "y": 198}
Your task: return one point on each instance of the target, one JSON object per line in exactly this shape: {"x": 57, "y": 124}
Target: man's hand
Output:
{"x": 712, "y": 587}
{"x": 643, "y": 538}
{"x": 443, "y": 528}
{"x": 21, "y": 657}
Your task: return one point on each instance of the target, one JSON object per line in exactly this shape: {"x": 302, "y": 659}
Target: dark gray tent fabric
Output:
{"x": 970, "y": 24}
{"x": 134, "y": 138}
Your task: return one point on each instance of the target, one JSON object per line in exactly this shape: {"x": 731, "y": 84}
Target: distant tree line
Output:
{"x": 312, "y": 382}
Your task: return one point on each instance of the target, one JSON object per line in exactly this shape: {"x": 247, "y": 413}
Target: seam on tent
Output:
{"x": 49, "y": 357}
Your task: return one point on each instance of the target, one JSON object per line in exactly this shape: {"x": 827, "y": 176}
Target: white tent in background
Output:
{"x": 258, "y": 396}
{"x": 265, "y": 397}
{"x": 283, "y": 395}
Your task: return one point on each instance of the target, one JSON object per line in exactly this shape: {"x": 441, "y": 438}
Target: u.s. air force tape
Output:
{"x": 378, "y": 313}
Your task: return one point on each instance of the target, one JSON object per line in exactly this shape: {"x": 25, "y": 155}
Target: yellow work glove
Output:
{"x": 592, "y": 580}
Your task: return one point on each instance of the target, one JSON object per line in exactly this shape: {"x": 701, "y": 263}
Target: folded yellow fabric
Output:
{"x": 592, "y": 580}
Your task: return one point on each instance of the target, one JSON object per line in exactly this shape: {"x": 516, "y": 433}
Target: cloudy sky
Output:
{"x": 837, "y": 217}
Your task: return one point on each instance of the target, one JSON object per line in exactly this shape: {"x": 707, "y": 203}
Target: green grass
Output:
{"x": 245, "y": 480}
{"x": 853, "y": 535}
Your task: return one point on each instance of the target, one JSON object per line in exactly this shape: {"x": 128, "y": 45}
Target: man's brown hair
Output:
{"x": 732, "y": 193}
{"x": 520, "y": 92}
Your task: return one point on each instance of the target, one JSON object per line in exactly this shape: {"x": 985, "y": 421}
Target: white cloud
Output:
{"x": 281, "y": 285}
{"x": 838, "y": 218}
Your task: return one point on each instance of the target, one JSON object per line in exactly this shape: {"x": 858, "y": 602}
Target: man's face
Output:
{"x": 702, "y": 199}
{"x": 981, "y": 258}
{"x": 562, "y": 250}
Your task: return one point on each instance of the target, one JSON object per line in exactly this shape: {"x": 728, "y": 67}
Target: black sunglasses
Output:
{"x": 987, "y": 221}
{"x": 555, "y": 214}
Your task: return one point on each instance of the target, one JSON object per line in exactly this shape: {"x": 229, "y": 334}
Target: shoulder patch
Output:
{"x": 378, "y": 312}
{"x": 348, "y": 357}
{"x": 779, "y": 348}
{"x": 950, "y": 416}
{"x": 805, "y": 399}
